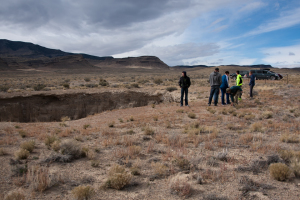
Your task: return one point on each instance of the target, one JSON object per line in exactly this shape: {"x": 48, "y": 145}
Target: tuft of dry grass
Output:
{"x": 159, "y": 169}
{"x": 22, "y": 154}
{"x": 83, "y": 192}
{"x": 246, "y": 138}
{"x": 256, "y": 127}
{"x": 267, "y": 115}
{"x": 192, "y": 115}
{"x": 118, "y": 178}
{"x": 279, "y": 171}
{"x": 29, "y": 145}
{"x": 148, "y": 130}
{"x": 50, "y": 139}
{"x": 178, "y": 185}
{"x": 111, "y": 124}
{"x": 295, "y": 166}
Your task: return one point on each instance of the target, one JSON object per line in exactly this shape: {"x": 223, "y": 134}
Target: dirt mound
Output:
{"x": 52, "y": 107}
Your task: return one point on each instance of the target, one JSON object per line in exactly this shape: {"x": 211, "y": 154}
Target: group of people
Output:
{"x": 217, "y": 83}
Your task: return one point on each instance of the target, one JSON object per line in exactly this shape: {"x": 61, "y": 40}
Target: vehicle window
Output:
{"x": 265, "y": 72}
{"x": 259, "y": 72}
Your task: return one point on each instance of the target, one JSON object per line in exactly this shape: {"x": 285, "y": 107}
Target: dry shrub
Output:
{"x": 159, "y": 168}
{"x": 71, "y": 147}
{"x": 15, "y": 195}
{"x": 83, "y": 192}
{"x": 108, "y": 132}
{"x": 295, "y": 165}
{"x": 65, "y": 133}
{"x": 50, "y": 139}
{"x": 289, "y": 138}
{"x": 40, "y": 178}
{"x": 192, "y": 115}
{"x": 224, "y": 111}
{"x": 267, "y": 115}
{"x": 22, "y": 133}
{"x": 95, "y": 163}
{"x": 118, "y": 178}
{"x": 180, "y": 111}
{"x": 65, "y": 118}
{"x": 29, "y": 145}
{"x": 280, "y": 171}
{"x": 256, "y": 127}
{"x": 148, "y": 130}
{"x": 134, "y": 150}
{"x": 22, "y": 154}
{"x": 179, "y": 186}
{"x": 288, "y": 155}
{"x": 91, "y": 155}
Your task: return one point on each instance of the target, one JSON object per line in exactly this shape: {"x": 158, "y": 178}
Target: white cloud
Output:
{"x": 287, "y": 19}
{"x": 283, "y": 56}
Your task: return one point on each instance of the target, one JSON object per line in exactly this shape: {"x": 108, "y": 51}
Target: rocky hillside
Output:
{"x": 143, "y": 62}
{"x": 24, "y": 55}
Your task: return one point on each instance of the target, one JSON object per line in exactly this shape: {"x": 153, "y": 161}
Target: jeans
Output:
{"x": 184, "y": 91}
{"x": 237, "y": 96}
{"x": 251, "y": 90}
{"x": 223, "y": 91}
{"x": 214, "y": 92}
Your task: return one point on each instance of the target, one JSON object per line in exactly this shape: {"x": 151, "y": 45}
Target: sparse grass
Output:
{"x": 22, "y": 154}
{"x": 29, "y": 145}
{"x": 55, "y": 145}
{"x": 288, "y": 138}
{"x": 118, "y": 178}
{"x": 212, "y": 111}
{"x": 246, "y": 138}
{"x": 182, "y": 163}
{"x": 131, "y": 119}
{"x": 95, "y": 163}
{"x": 295, "y": 166}
{"x": 83, "y": 192}
{"x": 279, "y": 171}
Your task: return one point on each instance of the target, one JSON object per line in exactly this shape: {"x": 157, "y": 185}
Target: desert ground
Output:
{"x": 155, "y": 151}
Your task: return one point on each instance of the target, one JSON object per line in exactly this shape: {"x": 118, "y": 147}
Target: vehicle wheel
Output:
{"x": 272, "y": 77}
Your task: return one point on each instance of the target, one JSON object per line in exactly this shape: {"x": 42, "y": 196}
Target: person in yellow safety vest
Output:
{"x": 239, "y": 82}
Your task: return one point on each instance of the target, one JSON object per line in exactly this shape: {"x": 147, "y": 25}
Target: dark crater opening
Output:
{"x": 52, "y": 107}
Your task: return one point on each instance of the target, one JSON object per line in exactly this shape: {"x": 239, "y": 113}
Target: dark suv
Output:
{"x": 242, "y": 73}
{"x": 264, "y": 74}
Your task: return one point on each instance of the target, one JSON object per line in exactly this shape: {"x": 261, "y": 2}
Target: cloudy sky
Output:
{"x": 190, "y": 32}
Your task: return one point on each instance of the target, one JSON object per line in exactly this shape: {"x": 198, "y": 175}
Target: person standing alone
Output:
{"x": 184, "y": 83}
{"x": 223, "y": 88}
{"x": 215, "y": 80}
{"x": 252, "y": 83}
{"x": 239, "y": 82}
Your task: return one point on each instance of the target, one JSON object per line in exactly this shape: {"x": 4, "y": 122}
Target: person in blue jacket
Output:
{"x": 223, "y": 87}
{"x": 251, "y": 83}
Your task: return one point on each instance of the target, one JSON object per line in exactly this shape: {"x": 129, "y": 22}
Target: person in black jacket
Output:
{"x": 252, "y": 83}
{"x": 184, "y": 83}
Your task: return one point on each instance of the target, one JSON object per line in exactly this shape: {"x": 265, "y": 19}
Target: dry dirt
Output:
{"x": 222, "y": 152}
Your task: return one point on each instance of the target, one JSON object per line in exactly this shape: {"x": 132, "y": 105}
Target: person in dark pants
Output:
{"x": 223, "y": 88}
{"x": 215, "y": 80}
{"x": 252, "y": 83}
{"x": 184, "y": 83}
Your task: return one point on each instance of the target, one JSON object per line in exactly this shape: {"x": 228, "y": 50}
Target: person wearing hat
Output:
{"x": 184, "y": 84}
{"x": 235, "y": 92}
{"x": 215, "y": 80}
